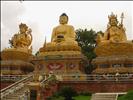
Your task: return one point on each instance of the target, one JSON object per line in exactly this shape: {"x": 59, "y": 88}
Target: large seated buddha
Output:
{"x": 114, "y": 52}
{"x": 114, "y": 40}
{"x": 63, "y": 38}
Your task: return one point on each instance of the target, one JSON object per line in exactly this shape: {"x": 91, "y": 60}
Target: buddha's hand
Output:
{"x": 114, "y": 40}
{"x": 60, "y": 38}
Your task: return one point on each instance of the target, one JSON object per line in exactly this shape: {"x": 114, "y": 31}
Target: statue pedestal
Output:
{"x": 114, "y": 58}
{"x": 16, "y": 61}
{"x": 16, "y": 53}
{"x": 60, "y": 62}
{"x": 109, "y": 49}
{"x": 35, "y": 90}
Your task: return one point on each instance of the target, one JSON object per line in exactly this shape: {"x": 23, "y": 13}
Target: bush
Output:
{"x": 49, "y": 98}
{"x": 128, "y": 96}
{"x": 56, "y": 94}
{"x": 67, "y": 92}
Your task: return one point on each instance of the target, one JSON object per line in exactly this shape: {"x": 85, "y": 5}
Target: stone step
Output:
{"x": 104, "y": 96}
{"x": 16, "y": 95}
{"x": 103, "y": 99}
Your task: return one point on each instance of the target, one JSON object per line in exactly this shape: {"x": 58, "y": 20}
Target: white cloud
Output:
{"x": 10, "y": 12}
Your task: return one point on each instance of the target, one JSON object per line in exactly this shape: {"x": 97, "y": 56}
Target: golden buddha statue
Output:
{"x": 23, "y": 38}
{"x": 63, "y": 32}
{"x": 114, "y": 40}
{"x": 114, "y": 33}
{"x": 63, "y": 37}
{"x": 114, "y": 52}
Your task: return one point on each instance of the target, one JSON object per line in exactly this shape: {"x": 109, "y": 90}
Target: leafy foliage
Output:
{"x": 67, "y": 92}
{"x": 11, "y": 43}
{"x": 82, "y": 97}
{"x": 77, "y": 96}
{"x": 128, "y": 96}
{"x": 87, "y": 41}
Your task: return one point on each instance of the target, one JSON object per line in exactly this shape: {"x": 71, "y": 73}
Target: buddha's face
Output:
{"x": 113, "y": 22}
{"x": 63, "y": 20}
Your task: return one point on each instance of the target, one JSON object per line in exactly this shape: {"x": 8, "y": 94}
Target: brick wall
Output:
{"x": 99, "y": 86}
{"x": 5, "y": 84}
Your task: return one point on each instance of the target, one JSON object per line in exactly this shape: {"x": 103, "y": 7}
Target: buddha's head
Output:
{"x": 23, "y": 28}
{"x": 113, "y": 20}
{"x": 63, "y": 18}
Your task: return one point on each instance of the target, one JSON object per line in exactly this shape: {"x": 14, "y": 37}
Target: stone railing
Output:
{"x": 78, "y": 77}
{"x": 15, "y": 87}
{"x": 13, "y": 78}
{"x": 51, "y": 79}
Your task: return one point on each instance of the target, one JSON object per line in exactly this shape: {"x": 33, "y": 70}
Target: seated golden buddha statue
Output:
{"x": 114, "y": 33}
{"x": 114, "y": 40}
{"x": 63, "y": 37}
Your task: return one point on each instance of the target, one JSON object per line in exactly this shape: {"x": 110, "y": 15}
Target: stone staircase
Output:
{"x": 16, "y": 91}
{"x": 104, "y": 96}
{"x": 18, "y": 95}
{"x": 19, "y": 90}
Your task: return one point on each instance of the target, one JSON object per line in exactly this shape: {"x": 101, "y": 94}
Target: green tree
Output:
{"x": 36, "y": 53}
{"x": 86, "y": 40}
{"x": 11, "y": 43}
{"x": 67, "y": 92}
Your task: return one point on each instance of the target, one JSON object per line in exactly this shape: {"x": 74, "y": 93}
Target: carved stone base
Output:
{"x": 109, "y": 49}
{"x": 16, "y": 67}
{"x": 16, "y": 53}
{"x": 60, "y": 47}
{"x": 113, "y": 58}
{"x": 60, "y": 62}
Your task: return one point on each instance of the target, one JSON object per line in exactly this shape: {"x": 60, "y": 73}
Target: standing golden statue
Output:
{"x": 114, "y": 33}
{"x": 23, "y": 38}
